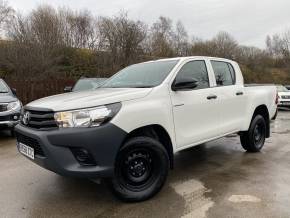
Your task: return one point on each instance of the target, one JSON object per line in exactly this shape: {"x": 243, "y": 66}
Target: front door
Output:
{"x": 196, "y": 117}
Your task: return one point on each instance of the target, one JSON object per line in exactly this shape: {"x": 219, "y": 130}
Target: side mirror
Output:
{"x": 13, "y": 91}
{"x": 67, "y": 89}
{"x": 184, "y": 84}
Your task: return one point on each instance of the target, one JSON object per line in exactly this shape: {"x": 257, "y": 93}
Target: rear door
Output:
{"x": 231, "y": 96}
{"x": 195, "y": 115}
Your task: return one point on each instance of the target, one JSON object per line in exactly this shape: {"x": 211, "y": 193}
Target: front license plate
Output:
{"x": 26, "y": 150}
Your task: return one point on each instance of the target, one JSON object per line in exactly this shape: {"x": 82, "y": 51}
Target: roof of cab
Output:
{"x": 192, "y": 57}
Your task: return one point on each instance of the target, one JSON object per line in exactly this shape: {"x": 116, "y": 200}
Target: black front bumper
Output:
{"x": 53, "y": 149}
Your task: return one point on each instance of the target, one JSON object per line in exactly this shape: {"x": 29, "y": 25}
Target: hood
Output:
{"x": 78, "y": 100}
{"x": 7, "y": 97}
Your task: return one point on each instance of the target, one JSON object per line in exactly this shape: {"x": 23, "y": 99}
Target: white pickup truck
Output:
{"x": 128, "y": 130}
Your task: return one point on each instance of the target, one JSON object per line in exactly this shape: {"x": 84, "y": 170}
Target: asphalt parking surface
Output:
{"x": 217, "y": 179}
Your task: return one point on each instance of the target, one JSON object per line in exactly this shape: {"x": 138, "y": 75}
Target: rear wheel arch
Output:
{"x": 253, "y": 140}
{"x": 157, "y": 132}
{"x": 263, "y": 111}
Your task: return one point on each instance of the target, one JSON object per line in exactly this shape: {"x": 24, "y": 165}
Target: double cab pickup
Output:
{"x": 128, "y": 130}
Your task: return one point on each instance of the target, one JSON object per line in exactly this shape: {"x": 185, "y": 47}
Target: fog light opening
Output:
{"x": 83, "y": 156}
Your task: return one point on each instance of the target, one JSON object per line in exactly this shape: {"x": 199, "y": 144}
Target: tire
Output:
{"x": 275, "y": 116}
{"x": 253, "y": 140}
{"x": 141, "y": 169}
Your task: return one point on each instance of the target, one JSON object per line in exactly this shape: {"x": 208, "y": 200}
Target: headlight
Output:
{"x": 15, "y": 105}
{"x": 88, "y": 117}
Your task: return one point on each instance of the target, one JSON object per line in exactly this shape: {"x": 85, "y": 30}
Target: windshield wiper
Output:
{"x": 142, "y": 87}
{"x": 3, "y": 92}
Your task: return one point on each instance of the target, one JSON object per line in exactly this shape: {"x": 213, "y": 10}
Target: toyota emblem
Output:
{"x": 26, "y": 118}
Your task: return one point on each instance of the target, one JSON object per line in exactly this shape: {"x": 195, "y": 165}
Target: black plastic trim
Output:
{"x": 102, "y": 142}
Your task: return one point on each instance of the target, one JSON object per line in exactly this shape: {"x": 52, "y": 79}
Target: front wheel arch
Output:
{"x": 132, "y": 182}
{"x": 157, "y": 132}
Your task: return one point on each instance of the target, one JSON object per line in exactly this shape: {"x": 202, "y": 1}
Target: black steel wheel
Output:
{"x": 141, "y": 169}
{"x": 254, "y": 139}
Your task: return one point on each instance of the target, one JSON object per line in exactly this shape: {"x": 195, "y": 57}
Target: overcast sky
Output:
{"x": 249, "y": 21}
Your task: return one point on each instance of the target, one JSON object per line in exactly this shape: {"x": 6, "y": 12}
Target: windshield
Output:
{"x": 143, "y": 75}
{"x": 88, "y": 84}
{"x": 282, "y": 89}
{"x": 3, "y": 87}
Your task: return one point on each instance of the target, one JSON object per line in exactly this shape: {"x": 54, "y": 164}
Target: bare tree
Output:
{"x": 224, "y": 45}
{"x": 161, "y": 38}
{"x": 180, "y": 40}
{"x": 279, "y": 46}
{"x": 122, "y": 37}
{"x": 6, "y": 13}
{"x": 49, "y": 42}
{"x": 78, "y": 28}
{"x": 37, "y": 43}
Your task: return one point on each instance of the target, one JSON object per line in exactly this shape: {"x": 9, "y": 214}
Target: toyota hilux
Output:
{"x": 128, "y": 131}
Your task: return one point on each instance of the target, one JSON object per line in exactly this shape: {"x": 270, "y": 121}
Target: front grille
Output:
{"x": 3, "y": 107}
{"x": 31, "y": 142}
{"x": 285, "y": 96}
{"x": 41, "y": 120}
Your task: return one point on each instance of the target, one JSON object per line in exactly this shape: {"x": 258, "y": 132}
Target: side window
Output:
{"x": 196, "y": 70}
{"x": 224, "y": 73}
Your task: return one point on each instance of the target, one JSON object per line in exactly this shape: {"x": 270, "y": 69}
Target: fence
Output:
{"x": 31, "y": 89}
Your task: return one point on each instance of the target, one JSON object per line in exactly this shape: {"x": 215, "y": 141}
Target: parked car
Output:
{"x": 284, "y": 96}
{"x": 85, "y": 84}
{"x": 10, "y": 107}
{"x": 128, "y": 130}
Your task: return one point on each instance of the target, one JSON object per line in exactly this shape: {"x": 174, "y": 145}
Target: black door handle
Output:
{"x": 178, "y": 105}
{"x": 211, "y": 97}
{"x": 239, "y": 93}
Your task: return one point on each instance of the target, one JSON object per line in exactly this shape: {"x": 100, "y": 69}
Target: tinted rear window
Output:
{"x": 224, "y": 73}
